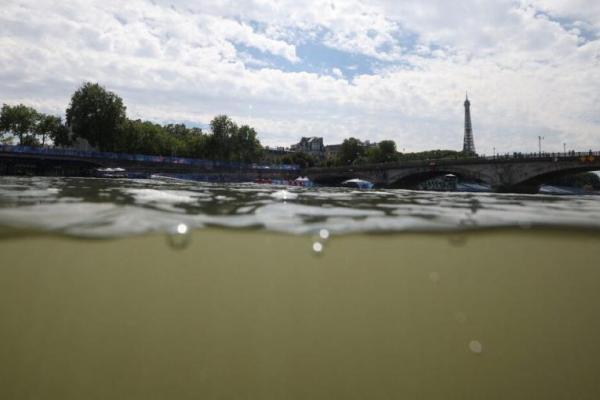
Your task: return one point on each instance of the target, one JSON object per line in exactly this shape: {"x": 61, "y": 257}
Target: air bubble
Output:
{"x": 179, "y": 238}
{"x": 475, "y": 346}
{"x": 182, "y": 229}
{"x": 317, "y": 247}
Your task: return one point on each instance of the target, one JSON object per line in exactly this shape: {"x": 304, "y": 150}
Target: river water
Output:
{"x": 110, "y": 208}
{"x": 137, "y": 289}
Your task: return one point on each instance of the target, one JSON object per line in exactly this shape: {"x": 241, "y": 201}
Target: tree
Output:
{"x": 197, "y": 144}
{"x": 96, "y": 115}
{"x": 384, "y": 152}
{"x": 61, "y": 135}
{"x": 245, "y": 147}
{"x": 18, "y": 120}
{"x": 52, "y": 127}
{"x": 190, "y": 142}
{"x": 350, "y": 151}
{"x": 222, "y": 128}
{"x": 387, "y": 150}
{"x": 299, "y": 158}
{"x": 145, "y": 137}
{"x": 434, "y": 155}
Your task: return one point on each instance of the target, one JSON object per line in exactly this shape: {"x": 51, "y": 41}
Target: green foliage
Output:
{"x": 29, "y": 140}
{"x": 433, "y": 155}
{"x": 351, "y": 151}
{"x": 227, "y": 142}
{"x": 245, "y": 146}
{"x": 298, "y": 158}
{"x": 383, "y": 153}
{"x": 52, "y": 127}
{"x": 60, "y": 135}
{"x": 19, "y": 121}
{"x": 96, "y": 115}
{"x": 143, "y": 137}
{"x": 223, "y": 129}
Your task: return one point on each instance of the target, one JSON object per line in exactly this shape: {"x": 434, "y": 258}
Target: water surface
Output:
{"x": 105, "y": 208}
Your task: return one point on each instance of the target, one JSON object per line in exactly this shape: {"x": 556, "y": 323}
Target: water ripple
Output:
{"x": 106, "y": 208}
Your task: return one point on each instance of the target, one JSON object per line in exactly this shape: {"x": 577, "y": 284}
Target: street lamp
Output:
{"x": 565, "y": 149}
{"x": 540, "y": 138}
{"x": 494, "y": 152}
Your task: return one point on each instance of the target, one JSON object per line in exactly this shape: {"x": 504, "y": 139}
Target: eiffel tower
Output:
{"x": 468, "y": 144}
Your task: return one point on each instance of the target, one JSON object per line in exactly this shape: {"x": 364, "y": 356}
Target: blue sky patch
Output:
{"x": 315, "y": 58}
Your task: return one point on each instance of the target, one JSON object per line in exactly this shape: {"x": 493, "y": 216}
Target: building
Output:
{"x": 468, "y": 143}
{"x": 279, "y": 151}
{"x": 367, "y": 144}
{"x": 332, "y": 150}
{"x": 310, "y": 145}
{"x": 314, "y": 146}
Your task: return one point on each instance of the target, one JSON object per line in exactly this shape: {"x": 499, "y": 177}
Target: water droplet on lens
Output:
{"x": 324, "y": 234}
{"x": 475, "y": 346}
{"x": 179, "y": 238}
{"x": 317, "y": 247}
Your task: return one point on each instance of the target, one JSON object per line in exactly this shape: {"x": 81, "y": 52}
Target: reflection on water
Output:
{"x": 99, "y": 207}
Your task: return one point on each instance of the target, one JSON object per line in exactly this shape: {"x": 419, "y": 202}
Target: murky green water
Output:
{"x": 156, "y": 289}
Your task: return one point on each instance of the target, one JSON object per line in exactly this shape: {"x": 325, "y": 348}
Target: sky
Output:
{"x": 375, "y": 70}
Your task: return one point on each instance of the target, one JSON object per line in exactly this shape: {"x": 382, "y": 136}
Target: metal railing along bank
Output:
{"x": 586, "y": 156}
{"x": 209, "y": 164}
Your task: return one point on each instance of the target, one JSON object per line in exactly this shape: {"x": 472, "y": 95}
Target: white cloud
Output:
{"x": 531, "y": 67}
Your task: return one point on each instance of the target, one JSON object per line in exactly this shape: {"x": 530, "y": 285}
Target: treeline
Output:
{"x": 31, "y": 127}
{"x": 353, "y": 152}
{"x": 99, "y": 116}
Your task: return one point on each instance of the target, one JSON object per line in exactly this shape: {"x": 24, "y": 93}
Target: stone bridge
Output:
{"x": 518, "y": 174}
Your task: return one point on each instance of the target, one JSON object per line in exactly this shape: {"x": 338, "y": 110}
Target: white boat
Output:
{"x": 358, "y": 183}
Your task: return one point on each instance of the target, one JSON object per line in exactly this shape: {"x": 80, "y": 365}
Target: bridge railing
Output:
{"x": 209, "y": 164}
{"x": 543, "y": 155}
{"x": 498, "y": 158}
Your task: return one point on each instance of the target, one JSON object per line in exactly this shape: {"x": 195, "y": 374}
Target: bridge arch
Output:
{"x": 533, "y": 180}
{"x": 410, "y": 178}
{"x": 504, "y": 174}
